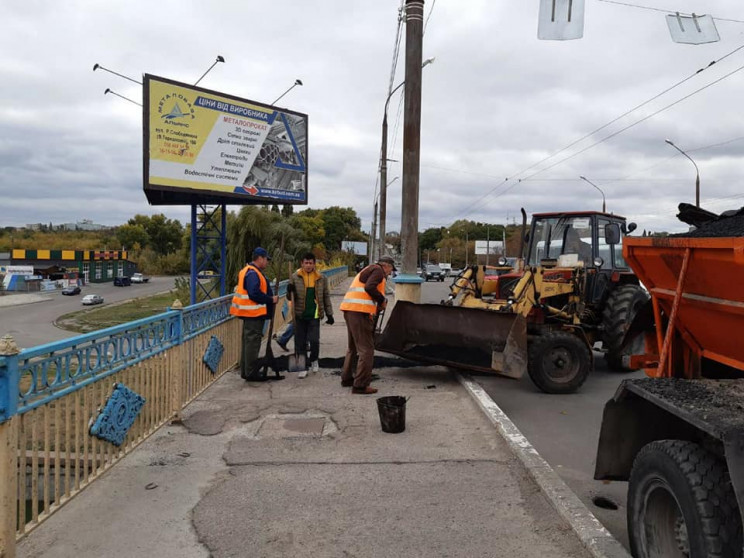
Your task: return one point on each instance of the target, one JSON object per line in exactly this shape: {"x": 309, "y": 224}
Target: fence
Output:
{"x": 53, "y": 396}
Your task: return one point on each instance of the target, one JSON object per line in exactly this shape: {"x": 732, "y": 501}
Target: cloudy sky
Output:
{"x": 496, "y": 103}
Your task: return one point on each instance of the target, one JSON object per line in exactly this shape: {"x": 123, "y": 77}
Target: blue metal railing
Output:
{"x": 47, "y": 372}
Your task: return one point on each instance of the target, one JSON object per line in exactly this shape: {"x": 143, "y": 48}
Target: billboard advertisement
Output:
{"x": 492, "y": 247}
{"x": 201, "y": 146}
{"x": 358, "y": 248}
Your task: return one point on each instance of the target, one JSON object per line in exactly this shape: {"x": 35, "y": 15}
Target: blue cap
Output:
{"x": 261, "y": 252}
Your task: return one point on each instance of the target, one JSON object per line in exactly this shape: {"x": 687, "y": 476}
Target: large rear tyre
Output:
{"x": 558, "y": 362}
{"x": 681, "y": 504}
{"x": 622, "y": 306}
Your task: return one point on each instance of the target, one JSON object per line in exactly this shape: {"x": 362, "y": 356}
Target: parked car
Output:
{"x": 74, "y": 290}
{"x": 92, "y": 299}
{"x": 122, "y": 281}
{"x": 139, "y": 278}
{"x": 433, "y": 272}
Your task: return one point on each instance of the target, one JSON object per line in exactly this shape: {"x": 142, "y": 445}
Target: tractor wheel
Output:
{"x": 622, "y": 306}
{"x": 558, "y": 362}
{"x": 681, "y": 503}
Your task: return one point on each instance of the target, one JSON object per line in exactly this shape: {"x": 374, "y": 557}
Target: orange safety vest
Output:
{"x": 358, "y": 300}
{"x": 242, "y": 305}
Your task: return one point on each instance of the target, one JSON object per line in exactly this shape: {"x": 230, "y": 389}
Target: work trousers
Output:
{"x": 252, "y": 336}
{"x": 307, "y": 330}
{"x": 361, "y": 349}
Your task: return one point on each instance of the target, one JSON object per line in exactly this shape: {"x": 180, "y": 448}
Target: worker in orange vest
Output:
{"x": 362, "y": 302}
{"x": 253, "y": 302}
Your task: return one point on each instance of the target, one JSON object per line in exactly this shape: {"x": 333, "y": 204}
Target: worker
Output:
{"x": 309, "y": 291}
{"x": 253, "y": 302}
{"x": 362, "y": 303}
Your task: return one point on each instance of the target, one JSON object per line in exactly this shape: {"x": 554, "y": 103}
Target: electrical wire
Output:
{"x": 427, "y": 17}
{"x": 664, "y": 11}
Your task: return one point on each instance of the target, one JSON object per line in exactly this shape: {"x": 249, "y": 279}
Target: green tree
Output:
{"x": 129, "y": 236}
{"x": 341, "y": 223}
{"x": 164, "y": 234}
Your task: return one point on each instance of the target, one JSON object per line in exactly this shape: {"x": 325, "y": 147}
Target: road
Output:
{"x": 33, "y": 324}
{"x": 563, "y": 428}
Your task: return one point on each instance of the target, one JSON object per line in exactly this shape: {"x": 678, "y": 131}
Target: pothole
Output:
{"x": 294, "y": 425}
{"x": 604, "y": 503}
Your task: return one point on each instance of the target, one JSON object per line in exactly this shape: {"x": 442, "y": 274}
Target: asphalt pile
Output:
{"x": 727, "y": 224}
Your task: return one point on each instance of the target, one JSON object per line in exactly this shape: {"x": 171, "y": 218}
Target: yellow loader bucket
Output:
{"x": 467, "y": 338}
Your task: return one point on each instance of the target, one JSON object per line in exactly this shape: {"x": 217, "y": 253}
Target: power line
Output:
{"x": 668, "y": 89}
{"x": 664, "y": 11}
{"x": 427, "y": 17}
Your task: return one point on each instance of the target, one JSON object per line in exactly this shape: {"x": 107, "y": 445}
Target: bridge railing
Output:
{"x": 62, "y": 421}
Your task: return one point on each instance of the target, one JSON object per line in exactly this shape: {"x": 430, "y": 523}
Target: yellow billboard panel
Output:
{"x": 204, "y": 146}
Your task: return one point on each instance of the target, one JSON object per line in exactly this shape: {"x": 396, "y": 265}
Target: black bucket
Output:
{"x": 392, "y": 411}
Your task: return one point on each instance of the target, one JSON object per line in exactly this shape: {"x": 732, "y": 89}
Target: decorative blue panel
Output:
{"x": 118, "y": 415}
{"x": 285, "y": 308}
{"x": 213, "y": 354}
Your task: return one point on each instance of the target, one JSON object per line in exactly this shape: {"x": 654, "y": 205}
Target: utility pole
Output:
{"x": 466, "y": 248}
{"x": 408, "y": 286}
{"x": 373, "y": 236}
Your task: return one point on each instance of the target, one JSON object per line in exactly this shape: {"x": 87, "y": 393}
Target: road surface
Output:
{"x": 563, "y": 428}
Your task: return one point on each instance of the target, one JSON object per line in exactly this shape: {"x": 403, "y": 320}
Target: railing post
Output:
{"x": 8, "y": 445}
{"x": 176, "y": 367}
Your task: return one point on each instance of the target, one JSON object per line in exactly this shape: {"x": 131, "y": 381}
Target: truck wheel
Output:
{"x": 681, "y": 503}
{"x": 622, "y": 306}
{"x": 558, "y": 362}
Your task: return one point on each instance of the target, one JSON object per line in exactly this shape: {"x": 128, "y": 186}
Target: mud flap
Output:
{"x": 467, "y": 338}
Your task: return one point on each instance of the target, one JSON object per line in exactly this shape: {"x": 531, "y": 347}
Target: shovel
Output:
{"x": 296, "y": 362}
{"x": 269, "y": 360}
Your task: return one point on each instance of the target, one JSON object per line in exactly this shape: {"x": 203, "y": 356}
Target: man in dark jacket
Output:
{"x": 253, "y": 302}
{"x": 364, "y": 300}
{"x": 309, "y": 291}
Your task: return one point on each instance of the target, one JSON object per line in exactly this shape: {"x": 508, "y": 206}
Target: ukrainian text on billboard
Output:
{"x": 204, "y": 141}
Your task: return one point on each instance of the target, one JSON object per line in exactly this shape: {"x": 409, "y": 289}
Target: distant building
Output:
{"x": 84, "y": 225}
{"x": 94, "y": 266}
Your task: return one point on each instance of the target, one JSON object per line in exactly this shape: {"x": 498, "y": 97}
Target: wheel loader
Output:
{"x": 572, "y": 290}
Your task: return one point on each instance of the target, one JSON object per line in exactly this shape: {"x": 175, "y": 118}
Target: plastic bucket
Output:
{"x": 392, "y": 411}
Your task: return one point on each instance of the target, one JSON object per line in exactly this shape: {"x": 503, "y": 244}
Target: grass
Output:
{"x": 100, "y": 317}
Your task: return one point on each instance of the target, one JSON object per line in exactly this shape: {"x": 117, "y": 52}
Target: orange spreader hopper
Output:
{"x": 697, "y": 290}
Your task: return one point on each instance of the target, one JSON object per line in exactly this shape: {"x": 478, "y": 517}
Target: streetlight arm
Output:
{"x": 697, "y": 172}
{"x": 604, "y": 203}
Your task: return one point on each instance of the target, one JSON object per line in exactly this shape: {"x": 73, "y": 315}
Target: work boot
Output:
{"x": 347, "y": 383}
{"x": 363, "y": 390}
{"x": 282, "y": 345}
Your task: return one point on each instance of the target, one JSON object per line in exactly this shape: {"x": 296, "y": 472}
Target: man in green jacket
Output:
{"x": 308, "y": 289}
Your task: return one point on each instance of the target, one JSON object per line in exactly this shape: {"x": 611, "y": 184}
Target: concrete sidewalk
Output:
{"x": 301, "y": 467}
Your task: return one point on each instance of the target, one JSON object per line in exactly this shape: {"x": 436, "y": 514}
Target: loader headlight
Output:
{"x": 598, "y": 262}
{"x": 502, "y": 261}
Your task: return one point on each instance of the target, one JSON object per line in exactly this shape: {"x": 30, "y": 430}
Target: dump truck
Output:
{"x": 572, "y": 291}
{"x": 677, "y": 435}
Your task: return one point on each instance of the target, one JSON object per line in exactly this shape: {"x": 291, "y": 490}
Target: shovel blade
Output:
{"x": 467, "y": 338}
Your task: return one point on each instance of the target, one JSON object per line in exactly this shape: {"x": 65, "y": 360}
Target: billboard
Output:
{"x": 492, "y": 247}
{"x": 358, "y": 248}
{"x": 201, "y": 146}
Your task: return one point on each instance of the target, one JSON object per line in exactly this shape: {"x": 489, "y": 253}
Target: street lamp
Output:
{"x": 383, "y": 155}
{"x": 697, "y": 172}
{"x": 585, "y": 179}
{"x": 295, "y": 84}
{"x": 217, "y": 60}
